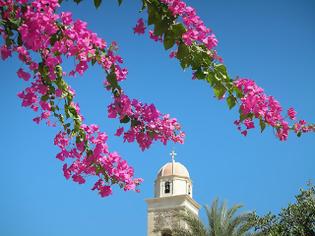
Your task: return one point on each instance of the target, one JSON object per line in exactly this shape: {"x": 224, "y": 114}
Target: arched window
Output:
{"x": 167, "y": 187}
{"x": 189, "y": 189}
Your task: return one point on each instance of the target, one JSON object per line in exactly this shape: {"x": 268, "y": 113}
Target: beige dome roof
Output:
{"x": 179, "y": 170}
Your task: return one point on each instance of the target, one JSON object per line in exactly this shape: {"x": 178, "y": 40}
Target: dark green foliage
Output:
{"x": 231, "y": 101}
{"x": 125, "y": 120}
{"x": 97, "y": 3}
{"x": 262, "y": 125}
{"x": 298, "y": 219}
{"x": 77, "y": 1}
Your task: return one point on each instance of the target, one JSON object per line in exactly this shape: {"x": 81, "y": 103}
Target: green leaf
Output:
{"x": 77, "y": 125}
{"x": 221, "y": 68}
{"x": 200, "y": 74}
{"x": 182, "y": 52}
{"x": 61, "y": 119}
{"x": 97, "y": 3}
{"x": 53, "y": 39}
{"x": 262, "y": 125}
{"x": 72, "y": 112}
{"x": 238, "y": 92}
{"x": 217, "y": 78}
{"x": 243, "y": 116}
{"x": 197, "y": 60}
{"x": 98, "y": 169}
{"x": 19, "y": 40}
{"x": 151, "y": 134}
{"x": 89, "y": 153}
{"x": 111, "y": 78}
{"x": 69, "y": 97}
{"x": 45, "y": 97}
{"x": 8, "y": 41}
{"x": 231, "y": 101}
{"x": 219, "y": 91}
{"x": 210, "y": 78}
{"x": 160, "y": 28}
{"x": 144, "y": 5}
{"x": 184, "y": 64}
{"x": 93, "y": 61}
{"x": 135, "y": 122}
{"x": 229, "y": 85}
{"x": 178, "y": 30}
{"x": 125, "y": 120}
{"x": 153, "y": 16}
{"x": 59, "y": 71}
{"x": 169, "y": 40}
{"x": 53, "y": 109}
{"x": 14, "y": 23}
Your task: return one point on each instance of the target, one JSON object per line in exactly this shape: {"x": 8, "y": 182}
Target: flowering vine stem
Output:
{"x": 180, "y": 29}
{"x": 43, "y": 39}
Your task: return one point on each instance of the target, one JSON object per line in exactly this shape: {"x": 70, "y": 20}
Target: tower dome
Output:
{"x": 173, "y": 168}
{"x": 173, "y": 179}
{"x": 172, "y": 195}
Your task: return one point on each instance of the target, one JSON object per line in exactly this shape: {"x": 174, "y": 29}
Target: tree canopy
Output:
{"x": 296, "y": 219}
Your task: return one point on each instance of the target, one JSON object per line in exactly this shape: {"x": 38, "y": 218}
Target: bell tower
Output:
{"x": 172, "y": 194}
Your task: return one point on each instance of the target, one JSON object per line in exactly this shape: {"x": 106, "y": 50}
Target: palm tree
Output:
{"x": 221, "y": 222}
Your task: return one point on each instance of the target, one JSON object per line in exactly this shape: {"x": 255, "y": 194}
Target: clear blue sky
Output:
{"x": 271, "y": 42}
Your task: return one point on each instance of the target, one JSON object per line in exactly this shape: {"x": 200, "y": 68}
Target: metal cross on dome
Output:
{"x": 173, "y": 154}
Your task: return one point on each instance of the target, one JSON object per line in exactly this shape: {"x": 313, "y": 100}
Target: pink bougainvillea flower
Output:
{"x": 66, "y": 18}
{"x": 172, "y": 54}
{"x": 249, "y": 124}
{"x": 5, "y": 52}
{"x": 33, "y": 66}
{"x": 23, "y": 75}
{"x": 140, "y": 27}
{"x": 154, "y": 37}
{"x": 292, "y": 113}
{"x": 196, "y": 29}
{"x": 210, "y": 41}
{"x": 58, "y": 92}
{"x": 66, "y": 172}
{"x": 119, "y": 131}
{"x": 37, "y": 120}
{"x": 78, "y": 178}
{"x": 45, "y": 105}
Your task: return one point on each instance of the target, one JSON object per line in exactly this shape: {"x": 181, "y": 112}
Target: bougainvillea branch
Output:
{"x": 183, "y": 32}
{"x": 43, "y": 39}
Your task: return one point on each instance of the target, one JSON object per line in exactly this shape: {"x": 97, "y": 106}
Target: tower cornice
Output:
{"x": 161, "y": 202}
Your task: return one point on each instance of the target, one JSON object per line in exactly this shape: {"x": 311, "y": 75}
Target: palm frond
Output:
{"x": 237, "y": 225}
{"x": 222, "y": 221}
{"x": 194, "y": 225}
